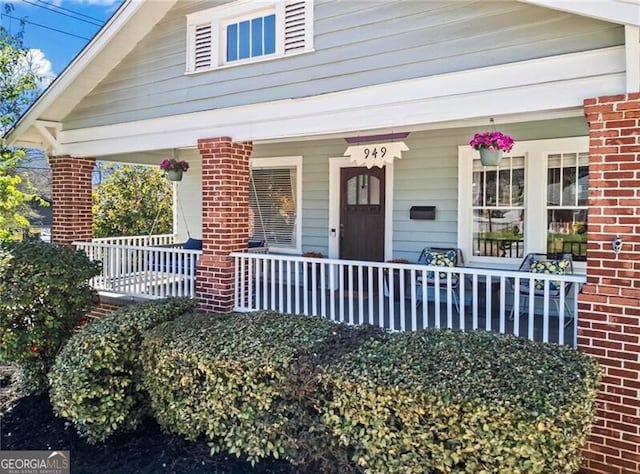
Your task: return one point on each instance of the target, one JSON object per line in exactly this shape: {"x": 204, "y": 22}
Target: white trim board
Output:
{"x": 625, "y": 12}
{"x": 528, "y": 87}
{"x": 333, "y": 232}
{"x": 632, "y": 54}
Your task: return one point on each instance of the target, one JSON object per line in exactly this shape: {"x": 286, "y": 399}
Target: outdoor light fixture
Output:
{"x": 616, "y": 244}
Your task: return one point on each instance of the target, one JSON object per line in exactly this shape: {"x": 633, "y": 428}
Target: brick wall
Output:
{"x": 225, "y": 215}
{"x": 72, "y": 215}
{"x": 609, "y": 326}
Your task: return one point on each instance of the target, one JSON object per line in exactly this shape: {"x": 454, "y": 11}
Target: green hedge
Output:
{"x": 96, "y": 381}
{"x": 453, "y": 402}
{"x": 247, "y": 382}
{"x": 44, "y": 292}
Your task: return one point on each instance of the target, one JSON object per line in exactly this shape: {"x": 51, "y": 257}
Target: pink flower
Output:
{"x": 173, "y": 165}
{"x": 492, "y": 140}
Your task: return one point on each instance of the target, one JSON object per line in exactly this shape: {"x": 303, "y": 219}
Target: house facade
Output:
{"x": 342, "y": 128}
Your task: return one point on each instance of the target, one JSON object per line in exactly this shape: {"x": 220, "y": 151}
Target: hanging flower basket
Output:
{"x": 173, "y": 168}
{"x": 489, "y": 157}
{"x": 174, "y": 175}
{"x": 491, "y": 145}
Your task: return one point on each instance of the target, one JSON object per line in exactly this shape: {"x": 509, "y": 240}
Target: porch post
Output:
{"x": 71, "y": 183}
{"x": 225, "y": 216}
{"x": 609, "y": 322}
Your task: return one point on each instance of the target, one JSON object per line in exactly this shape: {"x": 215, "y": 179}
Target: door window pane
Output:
{"x": 352, "y": 191}
{"x": 363, "y": 190}
{"x": 374, "y": 190}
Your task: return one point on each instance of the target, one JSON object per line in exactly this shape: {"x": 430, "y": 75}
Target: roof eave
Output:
{"x": 623, "y": 12}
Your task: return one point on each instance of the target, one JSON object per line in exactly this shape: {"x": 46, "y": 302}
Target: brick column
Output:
{"x": 609, "y": 318}
{"x": 72, "y": 214}
{"x": 225, "y": 219}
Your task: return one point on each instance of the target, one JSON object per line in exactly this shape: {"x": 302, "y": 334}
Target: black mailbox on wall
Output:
{"x": 422, "y": 212}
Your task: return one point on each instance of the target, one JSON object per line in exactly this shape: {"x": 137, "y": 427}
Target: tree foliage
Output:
{"x": 18, "y": 87}
{"x": 132, "y": 200}
{"x": 12, "y": 200}
{"x": 18, "y": 83}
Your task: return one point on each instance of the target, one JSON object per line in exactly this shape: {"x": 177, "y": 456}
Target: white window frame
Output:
{"x": 286, "y": 162}
{"x": 219, "y": 17}
{"x": 535, "y": 154}
{"x": 223, "y": 38}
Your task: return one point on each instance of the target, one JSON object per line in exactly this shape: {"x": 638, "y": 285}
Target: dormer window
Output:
{"x": 251, "y": 38}
{"x": 245, "y": 31}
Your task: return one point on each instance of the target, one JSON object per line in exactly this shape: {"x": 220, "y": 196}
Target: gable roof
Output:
{"x": 117, "y": 38}
{"x": 135, "y": 19}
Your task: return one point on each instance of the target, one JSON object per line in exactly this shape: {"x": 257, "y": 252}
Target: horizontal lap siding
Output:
{"x": 357, "y": 44}
{"x": 427, "y": 174}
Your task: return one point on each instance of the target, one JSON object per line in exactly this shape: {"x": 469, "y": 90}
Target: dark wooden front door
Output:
{"x": 362, "y": 214}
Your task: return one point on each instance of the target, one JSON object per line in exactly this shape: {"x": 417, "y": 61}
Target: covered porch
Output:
{"x": 312, "y": 197}
{"x": 541, "y": 307}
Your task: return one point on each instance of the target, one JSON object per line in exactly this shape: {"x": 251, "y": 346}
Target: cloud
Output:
{"x": 41, "y": 67}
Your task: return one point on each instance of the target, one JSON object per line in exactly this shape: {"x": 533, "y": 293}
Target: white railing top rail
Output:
{"x": 418, "y": 267}
{"x": 153, "y": 239}
{"x": 124, "y": 237}
{"x": 150, "y": 248}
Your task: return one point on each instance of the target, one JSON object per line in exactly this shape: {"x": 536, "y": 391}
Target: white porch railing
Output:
{"x": 138, "y": 240}
{"x": 392, "y": 295}
{"x": 154, "y": 272}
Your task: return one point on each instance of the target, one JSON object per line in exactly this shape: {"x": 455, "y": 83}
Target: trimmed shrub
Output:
{"x": 247, "y": 382}
{"x": 45, "y": 292}
{"x": 96, "y": 381}
{"x": 454, "y": 402}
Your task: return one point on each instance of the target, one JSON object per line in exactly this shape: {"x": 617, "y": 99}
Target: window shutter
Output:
{"x": 294, "y": 26}
{"x": 203, "y": 47}
{"x": 273, "y": 206}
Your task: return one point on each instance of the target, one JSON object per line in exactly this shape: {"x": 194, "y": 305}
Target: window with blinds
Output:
{"x": 273, "y": 206}
{"x": 238, "y": 33}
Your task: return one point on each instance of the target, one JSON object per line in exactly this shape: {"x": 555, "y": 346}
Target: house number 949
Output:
{"x": 375, "y": 151}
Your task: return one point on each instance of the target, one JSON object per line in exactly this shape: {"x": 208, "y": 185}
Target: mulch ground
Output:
{"x": 28, "y": 423}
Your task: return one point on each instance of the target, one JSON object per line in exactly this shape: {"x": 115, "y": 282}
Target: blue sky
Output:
{"x": 57, "y": 29}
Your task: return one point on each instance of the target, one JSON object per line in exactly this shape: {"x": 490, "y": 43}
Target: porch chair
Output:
{"x": 542, "y": 263}
{"x": 441, "y": 257}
